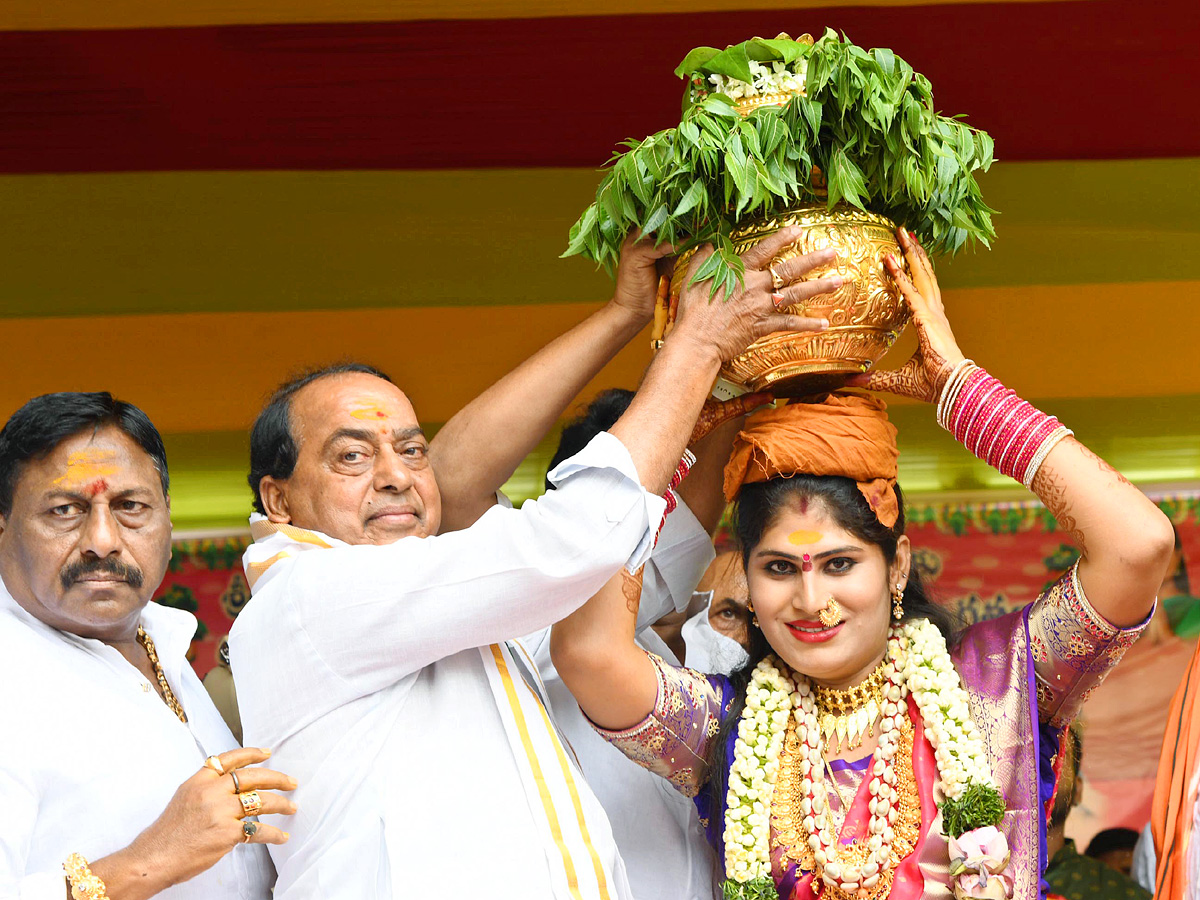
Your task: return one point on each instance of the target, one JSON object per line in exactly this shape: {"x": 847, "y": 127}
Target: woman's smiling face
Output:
{"x": 789, "y": 591}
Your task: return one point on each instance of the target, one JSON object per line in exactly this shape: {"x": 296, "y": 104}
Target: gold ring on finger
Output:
{"x": 776, "y": 278}
{"x": 237, "y": 788}
{"x": 249, "y": 830}
{"x": 251, "y": 802}
{"x": 215, "y": 764}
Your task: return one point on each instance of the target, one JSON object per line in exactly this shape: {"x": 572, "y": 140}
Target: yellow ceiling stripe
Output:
{"x": 41, "y": 15}
{"x": 225, "y": 241}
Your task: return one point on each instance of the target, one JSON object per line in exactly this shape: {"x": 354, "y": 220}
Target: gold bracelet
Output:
{"x": 84, "y": 885}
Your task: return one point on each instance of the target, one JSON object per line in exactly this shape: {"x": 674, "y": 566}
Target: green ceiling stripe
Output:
{"x": 280, "y": 241}
{"x": 1163, "y": 447}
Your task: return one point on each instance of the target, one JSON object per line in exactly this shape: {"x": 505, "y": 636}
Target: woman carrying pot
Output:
{"x": 866, "y": 751}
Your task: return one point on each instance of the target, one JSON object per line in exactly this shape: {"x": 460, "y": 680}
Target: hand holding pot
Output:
{"x": 730, "y": 322}
{"x": 637, "y": 276}
{"x": 924, "y": 375}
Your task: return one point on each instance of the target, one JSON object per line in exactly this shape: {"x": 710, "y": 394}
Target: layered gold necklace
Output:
{"x": 848, "y": 716}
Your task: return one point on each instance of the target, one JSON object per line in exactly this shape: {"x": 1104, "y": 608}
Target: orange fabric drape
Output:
{"x": 1175, "y": 792}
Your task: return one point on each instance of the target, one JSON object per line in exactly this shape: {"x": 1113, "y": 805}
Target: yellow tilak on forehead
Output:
{"x": 370, "y": 410}
{"x": 805, "y": 537}
{"x": 84, "y": 466}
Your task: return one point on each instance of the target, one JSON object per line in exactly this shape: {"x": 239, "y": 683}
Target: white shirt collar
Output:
{"x": 170, "y": 629}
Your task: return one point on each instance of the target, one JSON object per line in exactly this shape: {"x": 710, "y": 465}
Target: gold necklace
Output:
{"x": 168, "y": 694}
{"x": 790, "y": 835}
{"x": 845, "y": 716}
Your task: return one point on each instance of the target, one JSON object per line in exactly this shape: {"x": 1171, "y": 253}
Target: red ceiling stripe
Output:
{"x": 1048, "y": 80}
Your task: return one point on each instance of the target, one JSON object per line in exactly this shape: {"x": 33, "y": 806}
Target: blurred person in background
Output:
{"x": 1114, "y": 848}
{"x": 1069, "y": 874}
{"x": 729, "y": 609}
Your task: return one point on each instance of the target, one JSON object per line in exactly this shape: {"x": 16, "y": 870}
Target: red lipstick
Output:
{"x": 819, "y": 635}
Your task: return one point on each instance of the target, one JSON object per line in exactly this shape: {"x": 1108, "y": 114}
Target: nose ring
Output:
{"x": 832, "y": 613}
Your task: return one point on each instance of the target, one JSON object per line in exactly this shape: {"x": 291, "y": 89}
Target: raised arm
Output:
{"x": 594, "y": 649}
{"x": 482, "y": 444}
{"x": 1124, "y": 540}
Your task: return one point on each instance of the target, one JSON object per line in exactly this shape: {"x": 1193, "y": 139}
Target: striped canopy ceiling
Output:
{"x": 199, "y": 198}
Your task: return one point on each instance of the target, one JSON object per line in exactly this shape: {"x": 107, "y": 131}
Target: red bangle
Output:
{"x": 1000, "y": 428}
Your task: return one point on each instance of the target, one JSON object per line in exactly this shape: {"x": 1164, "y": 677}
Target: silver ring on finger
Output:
{"x": 249, "y": 830}
{"x": 776, "y": 279}
{"x": 237, "y": 788}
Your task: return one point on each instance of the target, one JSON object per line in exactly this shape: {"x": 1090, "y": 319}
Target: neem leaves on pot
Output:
{"x": 772, "y": 124}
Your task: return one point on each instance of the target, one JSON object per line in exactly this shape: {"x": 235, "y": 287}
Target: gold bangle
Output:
{"x": 84, "y": 885}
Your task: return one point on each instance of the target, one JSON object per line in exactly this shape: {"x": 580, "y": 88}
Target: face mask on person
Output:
{"x": 708, "y": 650}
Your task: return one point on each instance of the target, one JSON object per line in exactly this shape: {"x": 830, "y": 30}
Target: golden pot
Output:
{"x": 865, "y": 314}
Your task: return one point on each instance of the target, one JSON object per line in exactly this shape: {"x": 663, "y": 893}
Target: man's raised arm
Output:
{"x": 481, "y": 446}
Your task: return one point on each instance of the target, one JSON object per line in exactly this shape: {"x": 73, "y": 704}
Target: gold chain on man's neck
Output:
{"x": 168, "y": 694}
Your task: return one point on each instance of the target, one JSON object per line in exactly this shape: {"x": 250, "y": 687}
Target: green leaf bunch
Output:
{"x": 761, "y": 888}
{"x": 979, "y": 806}
{"x": 867, "y": 123}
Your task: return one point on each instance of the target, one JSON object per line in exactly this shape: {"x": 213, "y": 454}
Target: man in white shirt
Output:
{"x": 375, "y": 653}
{"x": 106, "y": 728}
{"x": 657, "y": 830}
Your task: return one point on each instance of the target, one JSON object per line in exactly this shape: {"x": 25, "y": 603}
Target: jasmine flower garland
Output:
{"x": 917, "y": 662}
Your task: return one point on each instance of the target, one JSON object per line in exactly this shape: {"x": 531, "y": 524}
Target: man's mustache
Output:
{"x": 76, "y": 571}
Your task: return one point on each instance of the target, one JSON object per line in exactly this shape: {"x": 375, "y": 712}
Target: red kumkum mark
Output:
{"x": 98, "y": 486}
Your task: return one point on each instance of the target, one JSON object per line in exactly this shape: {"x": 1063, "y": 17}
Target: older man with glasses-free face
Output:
{"x": 106, "y": 726}
{"x": 378, "y": 653}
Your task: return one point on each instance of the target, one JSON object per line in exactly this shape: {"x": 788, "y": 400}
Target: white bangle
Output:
{"x": 1043, "y": 451}
{"x": 958, "y": 377}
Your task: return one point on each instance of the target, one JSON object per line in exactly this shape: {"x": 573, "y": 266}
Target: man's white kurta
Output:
{"x": 90, "y": 755}
{"x": 359, "y": 666}
{"x": 656, "y": 828}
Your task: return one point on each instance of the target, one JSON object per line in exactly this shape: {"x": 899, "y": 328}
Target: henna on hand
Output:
{"x": 716, "y": 413}
{"x": 631, "y": 587}
{"x": 1051, "y": 489}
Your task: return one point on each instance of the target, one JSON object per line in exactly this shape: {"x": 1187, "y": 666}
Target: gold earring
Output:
{"x": 753, "y": 614}
{"x": 831, "y": 614}
{"x": 898, "y": 603}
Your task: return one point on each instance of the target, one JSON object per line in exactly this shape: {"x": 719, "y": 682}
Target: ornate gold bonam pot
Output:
{"x": 866, "y": 314}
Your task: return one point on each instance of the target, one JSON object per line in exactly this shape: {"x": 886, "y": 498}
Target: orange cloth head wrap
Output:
{"x": 845, "y": 434}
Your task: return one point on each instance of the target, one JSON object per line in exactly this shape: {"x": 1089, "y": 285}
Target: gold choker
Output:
{"x": 847, "y": 716}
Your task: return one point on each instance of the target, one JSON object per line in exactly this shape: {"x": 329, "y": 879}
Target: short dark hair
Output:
{"x": 46, "y": 421}
{"x": 600, "y": 415}
{"x": 1111, "y": 839}
{"x": 272, "y": 446}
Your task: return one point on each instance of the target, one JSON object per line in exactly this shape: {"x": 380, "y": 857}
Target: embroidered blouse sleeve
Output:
{"x": 673, "y": 741}
{"x": 1074, "y": 647}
